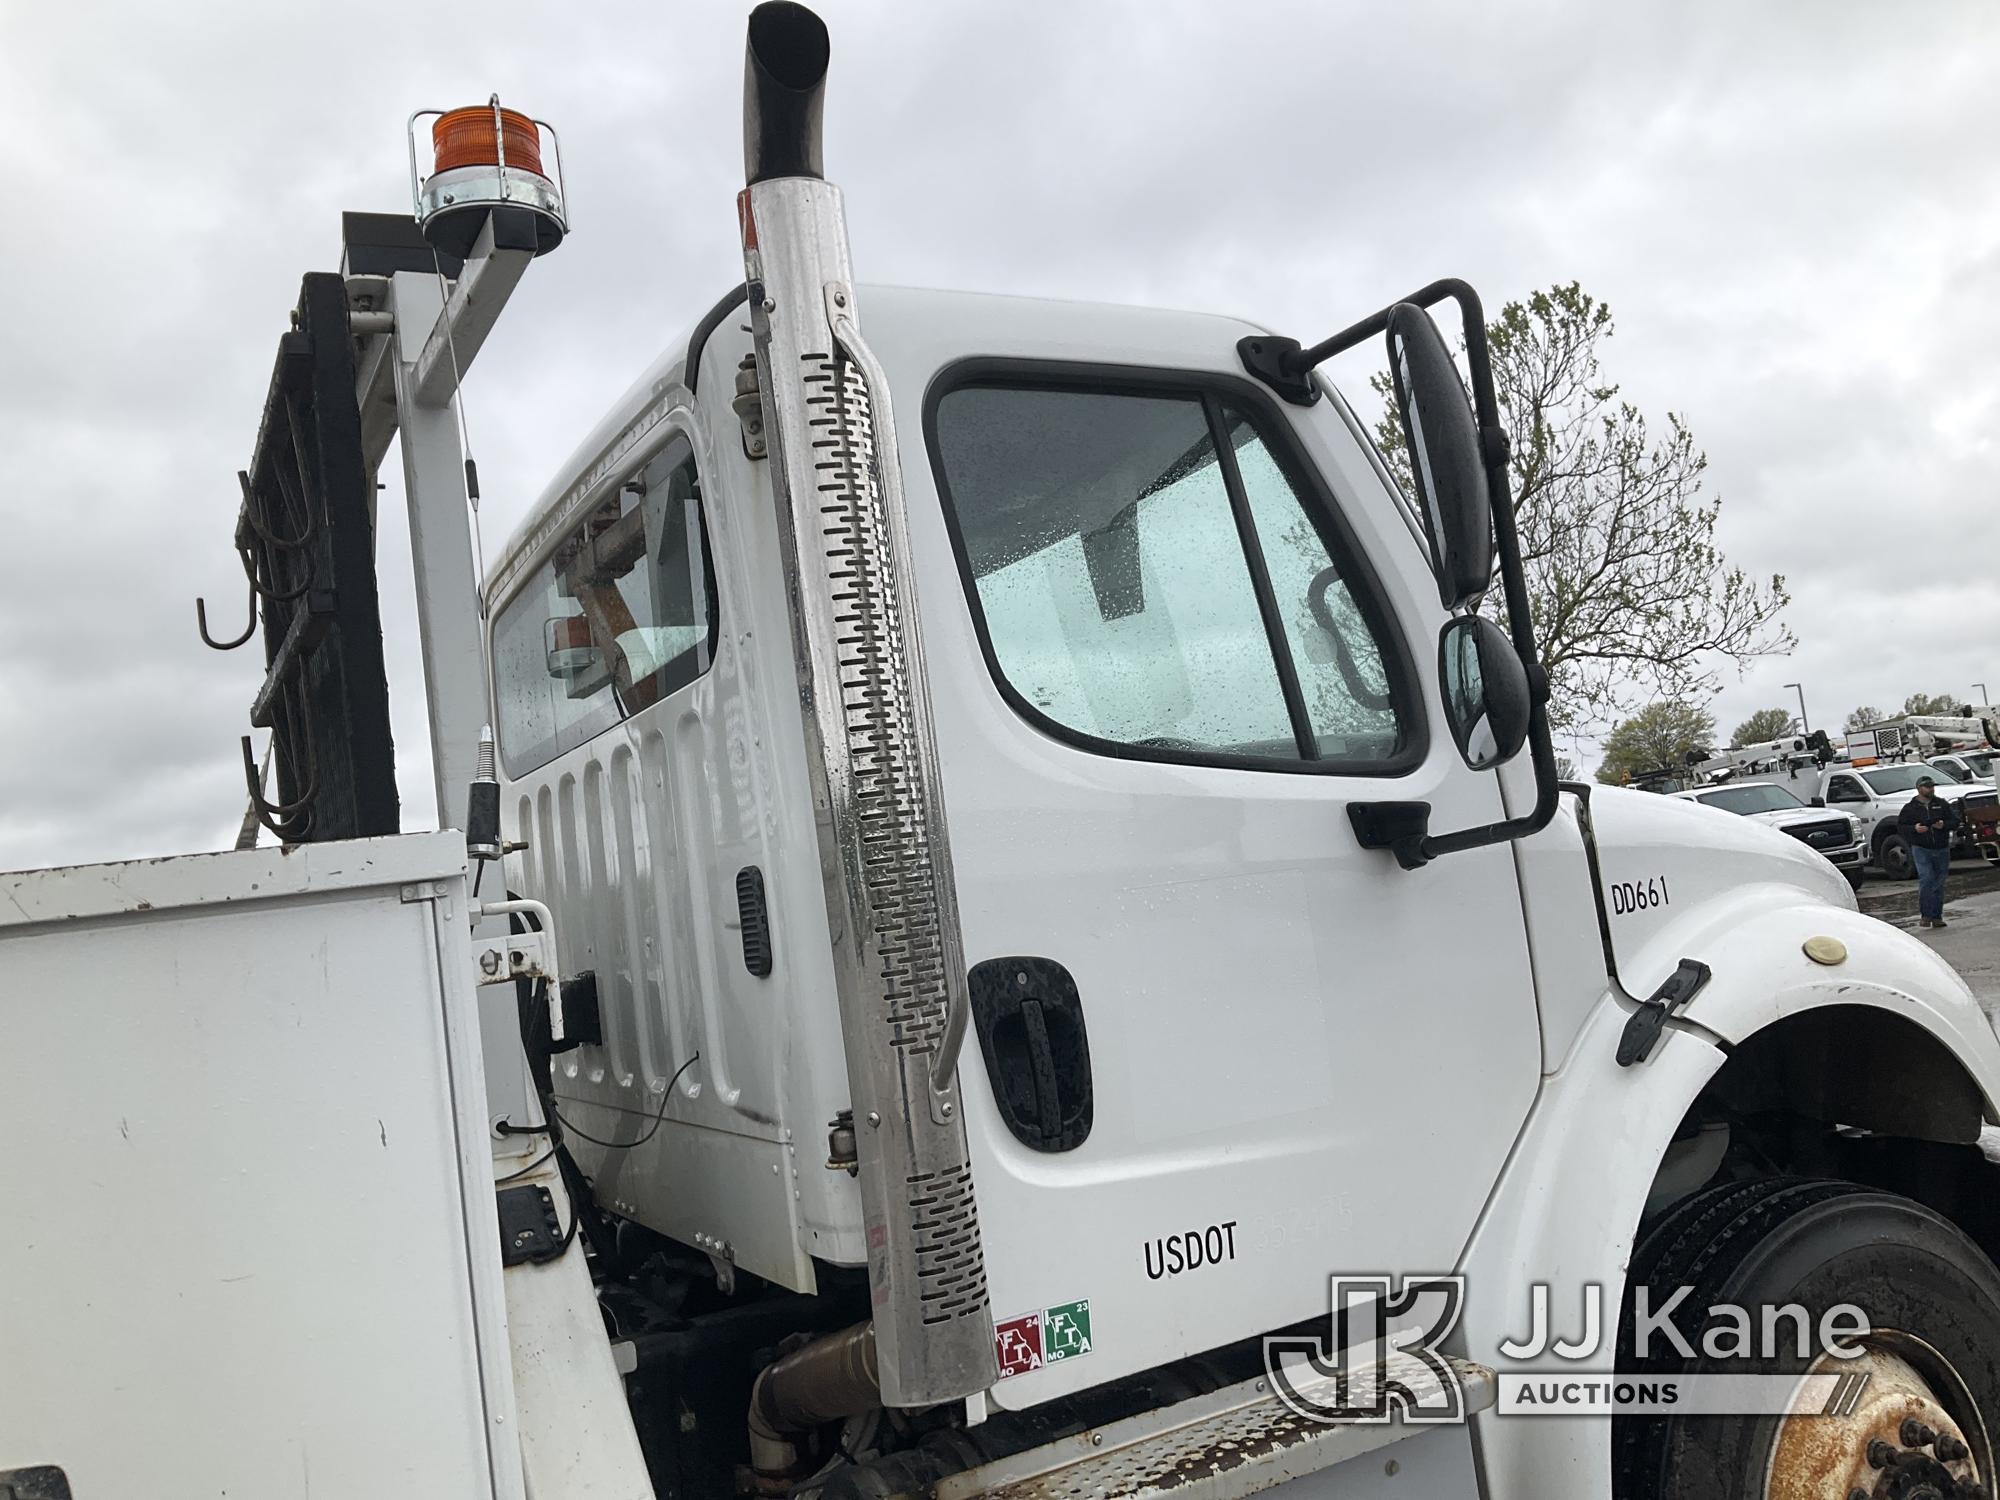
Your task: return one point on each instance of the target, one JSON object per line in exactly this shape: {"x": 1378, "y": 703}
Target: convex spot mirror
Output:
{"x": 1445, "y": 456}
{"x": 1486, "y": 696}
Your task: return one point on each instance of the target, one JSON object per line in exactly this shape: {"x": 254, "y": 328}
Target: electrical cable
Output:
{"x": 666, "y": 1098}
{"x": 464, "y": 429}
{"x": 511, "y": 1176}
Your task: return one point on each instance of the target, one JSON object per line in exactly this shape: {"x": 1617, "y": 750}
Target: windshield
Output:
{"x": 1757, "y": 798}
{"x": 1885, "y": 779}
{"x": 1982, "y": 764}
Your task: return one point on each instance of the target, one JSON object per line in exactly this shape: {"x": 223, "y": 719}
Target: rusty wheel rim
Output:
{"x": 1914, "y": 1434}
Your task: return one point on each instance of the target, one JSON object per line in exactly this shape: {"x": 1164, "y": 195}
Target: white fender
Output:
{"x": 1695, "y": 882}
{"x": 1565, "y": 1213}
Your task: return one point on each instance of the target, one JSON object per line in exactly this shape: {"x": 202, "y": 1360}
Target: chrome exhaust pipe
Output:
{"x": 885, "y": 856}
{"x": 784, "y": 91}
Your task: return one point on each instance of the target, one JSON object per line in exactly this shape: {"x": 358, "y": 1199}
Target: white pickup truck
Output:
{"x": 1838, "y": 837}
{"x": 1966, "y": 766}
{"x": 1032, "y": 947}
{"x": 1876, "y": 795}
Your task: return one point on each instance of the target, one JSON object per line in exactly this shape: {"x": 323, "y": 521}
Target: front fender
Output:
{"x": 1678, "y": 880}
{"x": 1565, "y": 1213}
{"x": 1762, "y": 975}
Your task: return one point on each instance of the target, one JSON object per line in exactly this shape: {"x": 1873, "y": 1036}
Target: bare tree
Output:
{"x": 1765, "y": 724}
{"x": 1633, "y": 600}
{"x": 1862, "y": 717}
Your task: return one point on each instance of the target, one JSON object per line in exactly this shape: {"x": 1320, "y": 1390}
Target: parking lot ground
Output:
{"x": 1970, "y": 938}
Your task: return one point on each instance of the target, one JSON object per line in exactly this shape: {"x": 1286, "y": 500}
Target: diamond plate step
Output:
{"x": 1221, "y": 1446}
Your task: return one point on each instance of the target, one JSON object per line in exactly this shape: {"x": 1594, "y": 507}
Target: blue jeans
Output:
{"x": 1932, "y": 866}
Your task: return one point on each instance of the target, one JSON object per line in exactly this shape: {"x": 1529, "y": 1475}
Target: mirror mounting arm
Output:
{"x": 1286, "y": 367}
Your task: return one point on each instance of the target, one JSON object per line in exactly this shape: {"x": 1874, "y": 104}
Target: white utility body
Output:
{"x": 1013, "y": 863}
{"x": 252, "y": 1250}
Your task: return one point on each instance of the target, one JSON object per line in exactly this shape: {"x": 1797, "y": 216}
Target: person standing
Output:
{"x": 1927, "y": 821}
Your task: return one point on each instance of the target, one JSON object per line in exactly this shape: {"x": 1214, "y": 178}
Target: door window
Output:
{"x": 1845, "y": 789}
{"x": 1147, "y": 577}
{"x": 622, "y": 614}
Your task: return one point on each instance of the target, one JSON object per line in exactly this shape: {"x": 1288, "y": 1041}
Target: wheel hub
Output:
{"x": 1899, "y": 1443}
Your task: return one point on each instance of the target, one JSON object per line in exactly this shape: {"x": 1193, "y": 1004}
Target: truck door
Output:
{"x": 1219, "y": 1051}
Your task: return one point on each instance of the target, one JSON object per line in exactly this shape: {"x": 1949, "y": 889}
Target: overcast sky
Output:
{"x": 1793, "y": 209}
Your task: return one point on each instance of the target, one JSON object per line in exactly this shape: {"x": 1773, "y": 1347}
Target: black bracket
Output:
{"x": 43, "y": 1482}
{"x": 583, "y": 1018}
{"x": 529, "y": 1231}
{"x": 1276, "y": 361}
{"x": 1400, "y": 827}
{"x": 1644, "y": 1025}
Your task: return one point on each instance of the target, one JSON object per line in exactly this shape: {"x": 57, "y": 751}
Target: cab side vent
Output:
{"x": 755, "y": 918}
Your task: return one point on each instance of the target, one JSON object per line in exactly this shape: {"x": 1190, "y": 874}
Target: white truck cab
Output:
{"x": 1032, "y": 940}
{"x": 1837, "y": 836}
{"x": 1229, "y": 832}
{"x": 1966, "y": 766}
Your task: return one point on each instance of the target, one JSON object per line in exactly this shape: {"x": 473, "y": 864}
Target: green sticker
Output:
{"x": 1066, "y": 1331}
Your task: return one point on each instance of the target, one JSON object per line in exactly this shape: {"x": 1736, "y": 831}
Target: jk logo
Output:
{"x": 1378, "y": 1358}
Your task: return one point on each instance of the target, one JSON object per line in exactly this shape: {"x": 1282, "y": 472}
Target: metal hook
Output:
{"x": 250, "y": 571}
{"x": 201, "y": 623}
{"x": 250, "y": 508}
{"x": 267, "y": 810}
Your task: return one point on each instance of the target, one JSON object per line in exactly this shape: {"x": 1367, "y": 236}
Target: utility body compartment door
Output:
{"x": 1301, "y": 1059}
{"x": 251, "y": 1243}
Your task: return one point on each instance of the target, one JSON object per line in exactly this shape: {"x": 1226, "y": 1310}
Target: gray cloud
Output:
{"x": 1790, "y": 206}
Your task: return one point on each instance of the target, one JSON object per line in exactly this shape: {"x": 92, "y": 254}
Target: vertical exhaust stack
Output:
{"x": 784, "y": 93}
{"x": 891, "y": 906}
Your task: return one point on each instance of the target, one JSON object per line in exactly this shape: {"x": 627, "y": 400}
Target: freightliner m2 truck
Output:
{"x": 1015, "y": 934}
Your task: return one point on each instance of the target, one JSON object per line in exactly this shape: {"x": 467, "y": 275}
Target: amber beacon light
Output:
{"x": 484, "y": 157}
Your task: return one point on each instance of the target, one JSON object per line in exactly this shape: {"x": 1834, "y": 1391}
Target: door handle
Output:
{"x": 1042, "y": 1067}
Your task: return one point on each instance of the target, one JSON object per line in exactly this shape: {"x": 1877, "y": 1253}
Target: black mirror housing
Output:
{"x": 1446, "y": 460}
{"x": 1459, "y": 454}
{"x": 1487, "y": 700}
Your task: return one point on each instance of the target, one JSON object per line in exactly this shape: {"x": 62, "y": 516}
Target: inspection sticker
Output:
{"x": 1026, "y": 1343}
{"x": 1066, "y": 1331}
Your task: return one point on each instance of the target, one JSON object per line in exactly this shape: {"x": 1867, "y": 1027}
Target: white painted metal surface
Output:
{"x": 1566, "y": 1213}
{"x": 635, "y": 839}
{"x": 441, "y": 552}
{"x": 1239, "y": 1029}
{"x": 1287, "y": 1032}
{"x": 251, "y": 1246}
{"x": 576, "y": 1436}
{"x": 437, "y": 334}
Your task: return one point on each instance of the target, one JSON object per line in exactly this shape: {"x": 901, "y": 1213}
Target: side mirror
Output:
{"x": 1458, "y": 456}
{"x": 1445, "y": 456}
{"x": 1819, "y": 802}
{"x": 1487, "y": 701}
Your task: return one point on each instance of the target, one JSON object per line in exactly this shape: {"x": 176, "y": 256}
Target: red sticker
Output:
{"x": 1018, "y": 1343}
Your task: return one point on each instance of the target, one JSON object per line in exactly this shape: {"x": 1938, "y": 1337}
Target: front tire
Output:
{"x": 1932, "y": 1355}
{"x": 1893, "y": 855}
